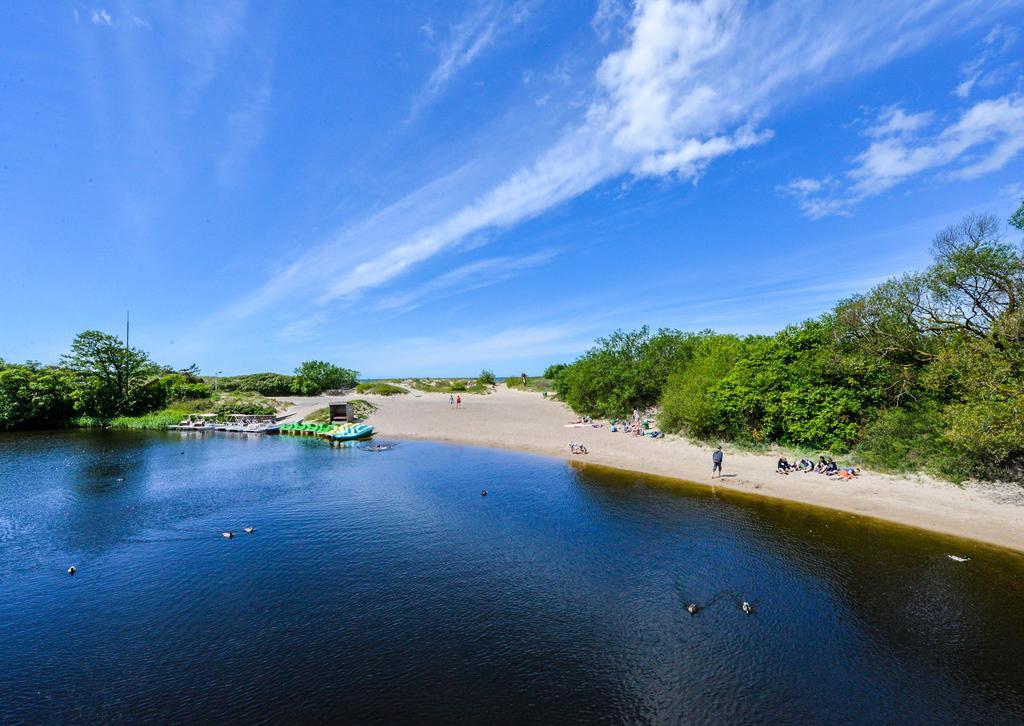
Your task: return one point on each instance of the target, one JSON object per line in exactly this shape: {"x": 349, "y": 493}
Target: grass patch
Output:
{"x": 380, "y": 388}
{"x": 533, "y": 383}
{"x": 448, "y": 385}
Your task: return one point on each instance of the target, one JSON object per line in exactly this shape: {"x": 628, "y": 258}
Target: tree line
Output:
{"x": 923, "y": 372}
{"x": 102, "y": 378}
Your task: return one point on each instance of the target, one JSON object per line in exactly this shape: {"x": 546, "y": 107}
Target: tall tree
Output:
{"x": 109, "y": 375}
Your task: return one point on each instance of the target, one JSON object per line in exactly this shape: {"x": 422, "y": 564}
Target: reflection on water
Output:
{"x": 382, "y": 587}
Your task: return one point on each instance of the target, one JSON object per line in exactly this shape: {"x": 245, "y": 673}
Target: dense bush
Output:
{"x": 315, "y": 376}
{"x": 552, "y": 371}
{"x": 486, "y": 378}
{"x": 624, "y": 371}
{"x": 924, "y": 372}
{"x": 267, "y": 384}
{"x": 32, "y": 396}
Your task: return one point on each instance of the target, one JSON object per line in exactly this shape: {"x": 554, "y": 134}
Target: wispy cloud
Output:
{"x": 693, "y": 82}
{"x": 468, "y": 39}
{"x": 979, "y": 70}
{"x": 472, "y": 276}
{"x": 101, "y": 17}
{"x": 246, "y": 127}
{"x": 983, "y": 139}
{"x": 209, "y": 29}
{"x": 477, "y": 348}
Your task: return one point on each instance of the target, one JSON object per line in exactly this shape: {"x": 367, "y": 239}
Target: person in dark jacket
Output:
{"x": 716, "y": 459}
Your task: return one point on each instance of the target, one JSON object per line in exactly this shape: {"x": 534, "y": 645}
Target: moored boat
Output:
{"x": 197, "y": 422}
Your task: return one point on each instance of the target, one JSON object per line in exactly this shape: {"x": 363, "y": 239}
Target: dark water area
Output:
{"x": 382, "y": 587}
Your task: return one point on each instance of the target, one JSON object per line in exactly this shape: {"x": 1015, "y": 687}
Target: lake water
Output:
{"x": 382, "y": 587}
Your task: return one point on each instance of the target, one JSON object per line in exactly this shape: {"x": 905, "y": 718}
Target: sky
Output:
{"x": 417, "y": 188}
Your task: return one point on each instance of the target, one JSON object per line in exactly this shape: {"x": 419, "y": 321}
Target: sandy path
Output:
{"x": 525, "y": 421}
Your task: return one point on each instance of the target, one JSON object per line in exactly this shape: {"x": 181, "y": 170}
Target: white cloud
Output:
{"x": 472, "y": 276}
{"x": 693, "y": 83}
{"x": 611, "y": 19}
{"x": 983, "y": 139}
{"x": 101, "y": 17}
{"x": 894, "y": 121}
{"x": 467, "y": 40}
{"x": 141, "y": 22}
{"x": 978, "y": 70}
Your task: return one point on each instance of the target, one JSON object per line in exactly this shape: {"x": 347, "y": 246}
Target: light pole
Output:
{"x": 216, "y": 379}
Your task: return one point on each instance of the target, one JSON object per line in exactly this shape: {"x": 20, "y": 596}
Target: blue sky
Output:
{"x": 416, "y": 188}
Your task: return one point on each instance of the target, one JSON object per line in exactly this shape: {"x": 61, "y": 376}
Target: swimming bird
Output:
{"x": 483, "y": 493}
{"x": 747, "y": 607}
{"x": 72, "y": 570}
{"x": 248, "y": 530}
{"x": 227, "y": 535}
{"x": 120, "y": 478}
{"x": 692, "y": 608}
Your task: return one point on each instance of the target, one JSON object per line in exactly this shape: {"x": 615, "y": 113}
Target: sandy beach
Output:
{"x": 525, "y": 421}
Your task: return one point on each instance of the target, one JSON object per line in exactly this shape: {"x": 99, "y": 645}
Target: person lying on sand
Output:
{"x": 848, "y": 473}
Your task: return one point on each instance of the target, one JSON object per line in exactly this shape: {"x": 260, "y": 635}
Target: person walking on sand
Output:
{"x": 716, "y": 459}
{"x": 458, "y": 402}
{"x": 451, "y": 400}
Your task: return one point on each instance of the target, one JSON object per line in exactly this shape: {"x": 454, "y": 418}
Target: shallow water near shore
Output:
{"x": 381, "y": 586}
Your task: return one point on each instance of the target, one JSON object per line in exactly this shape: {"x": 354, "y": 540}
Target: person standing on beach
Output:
{"x": 716, "y": 459}
{"x": 451, "y": 400}
{"x": 458, "y": 402}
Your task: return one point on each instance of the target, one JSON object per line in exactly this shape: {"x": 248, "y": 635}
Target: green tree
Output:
{"x": 486, "y": 378}
{"x": 554, "y": 370}
{"x": 1017, "y": 220}
{"x": 109, "y": 376}
{"x": 32, "y": 396}
{"x": 315, "y": 376}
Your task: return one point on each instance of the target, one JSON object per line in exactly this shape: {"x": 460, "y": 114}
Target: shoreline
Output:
{"x": 526, "y": 422}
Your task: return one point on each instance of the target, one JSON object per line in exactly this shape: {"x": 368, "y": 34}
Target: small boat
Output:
{"x": 197, "y": 422}
{"x": 351, "y": 432}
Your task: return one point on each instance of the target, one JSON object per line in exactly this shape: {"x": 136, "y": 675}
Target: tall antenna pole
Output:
{"x": 127, "y": 327}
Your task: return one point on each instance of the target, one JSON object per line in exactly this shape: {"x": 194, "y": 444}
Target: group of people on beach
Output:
{"x": 826, "y": 465}
{"x": 454, "y": 401}
{"x": 577, "y": 448}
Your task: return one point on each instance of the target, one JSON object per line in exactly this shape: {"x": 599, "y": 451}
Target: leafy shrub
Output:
{"x": 552, "y": 371}
{"x": 315, "y": 376}
{"x": 486, "y": 378}
{"x": 266, "y": 384}
{"x": 35, "y": 397}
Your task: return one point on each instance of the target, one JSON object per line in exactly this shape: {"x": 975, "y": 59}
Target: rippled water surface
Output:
{"x": 384, "y": 587}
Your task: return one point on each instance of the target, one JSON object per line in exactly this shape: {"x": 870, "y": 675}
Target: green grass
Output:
{"x": 380, "y": 388}
{"x": 533, "y": 383}
{"x": 173, "y": 413}
{"x": 448, "y": 385}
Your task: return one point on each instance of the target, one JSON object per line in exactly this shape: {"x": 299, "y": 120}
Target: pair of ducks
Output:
{"x": 745, "y": 607}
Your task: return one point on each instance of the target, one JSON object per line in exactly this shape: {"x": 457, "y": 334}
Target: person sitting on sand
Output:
{"x": 783, "y": 466}
{"x": 805, "y": 465}
{"x": 822, "y": 465}
{"x": 831, "y": 468}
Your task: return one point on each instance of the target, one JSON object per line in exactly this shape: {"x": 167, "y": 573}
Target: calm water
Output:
{"x": 383, "y": 587}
